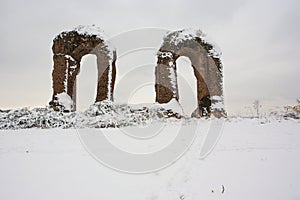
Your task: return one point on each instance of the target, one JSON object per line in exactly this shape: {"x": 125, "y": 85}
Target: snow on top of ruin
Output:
{"x": 87, "y": 30}
{"x": 177, "y": 37}
{"x": 92, "y": 30}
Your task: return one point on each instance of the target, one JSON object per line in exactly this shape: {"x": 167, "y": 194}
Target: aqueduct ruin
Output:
{"x": 70, "y": 46}
{"x": 207, "y": 68}
{"x": 68, "y": 49}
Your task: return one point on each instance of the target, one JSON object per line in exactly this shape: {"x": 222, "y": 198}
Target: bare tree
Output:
{"x": 256, "y": 106}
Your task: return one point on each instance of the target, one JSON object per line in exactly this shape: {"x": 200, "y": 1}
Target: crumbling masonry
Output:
{"x": 68, "y": 49}
{"x": 70, "y": 46}
{"x": 207, "y": 70}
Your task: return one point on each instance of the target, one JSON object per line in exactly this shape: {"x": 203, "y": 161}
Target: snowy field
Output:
{"x": 252, "y": 160}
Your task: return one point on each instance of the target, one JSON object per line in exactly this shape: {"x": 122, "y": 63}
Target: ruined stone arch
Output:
{"x": 205, "y": 60}
{"x": 68, "y": 49}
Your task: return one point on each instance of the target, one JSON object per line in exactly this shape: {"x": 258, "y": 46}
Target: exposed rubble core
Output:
{"x": 205, "y": 59}
{"x": 68, "y": 49}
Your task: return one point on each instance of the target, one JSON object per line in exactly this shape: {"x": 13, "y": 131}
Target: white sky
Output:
{"x": 259, "y": 40}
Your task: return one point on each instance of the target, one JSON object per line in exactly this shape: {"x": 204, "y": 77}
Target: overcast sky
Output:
{"x": 259, "y": 40}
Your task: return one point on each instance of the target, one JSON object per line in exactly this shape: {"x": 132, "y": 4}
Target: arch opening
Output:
{"x": 187, "y": 85}
{"x": 86, "y": 82}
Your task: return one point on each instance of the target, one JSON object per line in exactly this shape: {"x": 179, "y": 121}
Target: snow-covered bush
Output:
{"x": 99, "y": 115}
{"x": 35, "y": 118}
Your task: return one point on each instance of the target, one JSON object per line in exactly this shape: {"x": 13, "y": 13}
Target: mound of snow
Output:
{"x": 65, "y": 100}
{"x": 173, "y": 105}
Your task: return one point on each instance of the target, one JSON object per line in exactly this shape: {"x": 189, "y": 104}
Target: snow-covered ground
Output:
{"x": 252, "y": 160}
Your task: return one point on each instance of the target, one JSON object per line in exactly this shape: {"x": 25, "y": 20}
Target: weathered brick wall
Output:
{"x": 68, "y": 49}
{"x": 207, "y": 70}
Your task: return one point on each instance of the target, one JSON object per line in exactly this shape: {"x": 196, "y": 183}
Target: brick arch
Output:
{"x": 207, "y": 70}
{"x": 68, "y": 49}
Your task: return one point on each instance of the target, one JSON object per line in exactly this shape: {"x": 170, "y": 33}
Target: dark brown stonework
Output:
{"x": 207, "y": 70}
{"x": 70, "y": 46}
{"x": 68, "y": 49}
